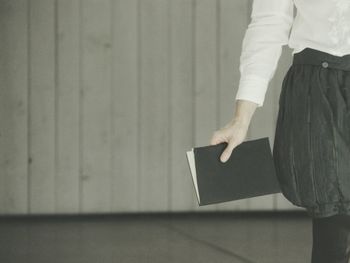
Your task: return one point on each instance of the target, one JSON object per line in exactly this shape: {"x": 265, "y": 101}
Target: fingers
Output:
{"x": 231, "y": 144}
{"x": 228, "y": 151}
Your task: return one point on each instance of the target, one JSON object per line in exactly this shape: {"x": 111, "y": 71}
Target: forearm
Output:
{"x": 244, "y": 111}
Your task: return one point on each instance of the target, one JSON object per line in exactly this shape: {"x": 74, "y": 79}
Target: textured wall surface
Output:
{"x": 100, "y": 100}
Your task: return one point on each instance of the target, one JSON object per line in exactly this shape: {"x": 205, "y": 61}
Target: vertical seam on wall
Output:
{"x": 56, "y": 100}
{"x": 139, "y": 59}
{"x": 29, "y": 158}
{"x": 80, "y": 97}
{"x": 112, "y": 134}
{"x": 217, "y": 39}
{"x": 169, "y": 60}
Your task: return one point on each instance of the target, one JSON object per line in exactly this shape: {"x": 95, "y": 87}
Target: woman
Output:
{"x": 312, "y": 137}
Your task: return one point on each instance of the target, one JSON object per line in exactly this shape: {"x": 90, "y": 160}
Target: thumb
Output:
{"x": 228, "y": 151}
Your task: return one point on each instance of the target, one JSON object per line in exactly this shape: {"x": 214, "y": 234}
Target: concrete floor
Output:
{"x": 166, "y": 238}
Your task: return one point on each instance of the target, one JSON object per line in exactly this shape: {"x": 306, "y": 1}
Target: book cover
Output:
{"x": 249, "y": 172}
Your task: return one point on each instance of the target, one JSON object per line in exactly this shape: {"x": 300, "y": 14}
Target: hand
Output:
{"x": 233, "y": 133}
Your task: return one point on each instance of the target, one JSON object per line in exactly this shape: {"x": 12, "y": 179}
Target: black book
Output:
{"x": 249, "y": 172}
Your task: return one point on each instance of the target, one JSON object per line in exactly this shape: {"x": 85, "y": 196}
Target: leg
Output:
{"x": 331, "y": 239}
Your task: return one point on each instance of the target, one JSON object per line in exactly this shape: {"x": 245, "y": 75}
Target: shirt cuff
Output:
{"x": 252, "y": 88}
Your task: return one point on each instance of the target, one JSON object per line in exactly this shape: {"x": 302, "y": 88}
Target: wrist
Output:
{"x": 240, "y": 120}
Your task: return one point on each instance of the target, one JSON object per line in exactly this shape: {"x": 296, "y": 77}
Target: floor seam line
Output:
{"x": 213, "y": 246}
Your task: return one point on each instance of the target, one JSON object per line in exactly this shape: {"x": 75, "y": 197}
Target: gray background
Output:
{"x": 100, "y": 100}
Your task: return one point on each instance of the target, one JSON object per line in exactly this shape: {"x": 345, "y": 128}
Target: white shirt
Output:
{"x": 318, "y": 24}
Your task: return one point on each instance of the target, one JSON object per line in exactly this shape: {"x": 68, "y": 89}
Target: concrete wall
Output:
{"x": 100, "y": 100}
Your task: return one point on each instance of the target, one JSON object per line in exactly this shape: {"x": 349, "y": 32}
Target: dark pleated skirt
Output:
{"x": 311, "y": 147}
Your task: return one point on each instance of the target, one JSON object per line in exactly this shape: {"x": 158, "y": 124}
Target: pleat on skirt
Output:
{"x": 311, "y": 147}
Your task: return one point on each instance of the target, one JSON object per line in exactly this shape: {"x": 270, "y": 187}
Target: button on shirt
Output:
{"x": 318, "y": 24}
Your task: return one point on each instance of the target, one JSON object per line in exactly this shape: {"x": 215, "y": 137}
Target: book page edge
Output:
{"x": 191, "y": 161}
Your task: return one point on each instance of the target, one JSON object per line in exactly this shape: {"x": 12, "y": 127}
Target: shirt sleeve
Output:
{"x": 267, "y": 32}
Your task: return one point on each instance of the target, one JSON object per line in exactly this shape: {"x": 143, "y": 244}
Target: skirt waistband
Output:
{"x": 316, "y": 57}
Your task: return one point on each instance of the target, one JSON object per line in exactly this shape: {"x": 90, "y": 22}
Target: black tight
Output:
{"x": 331, "y": 239}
